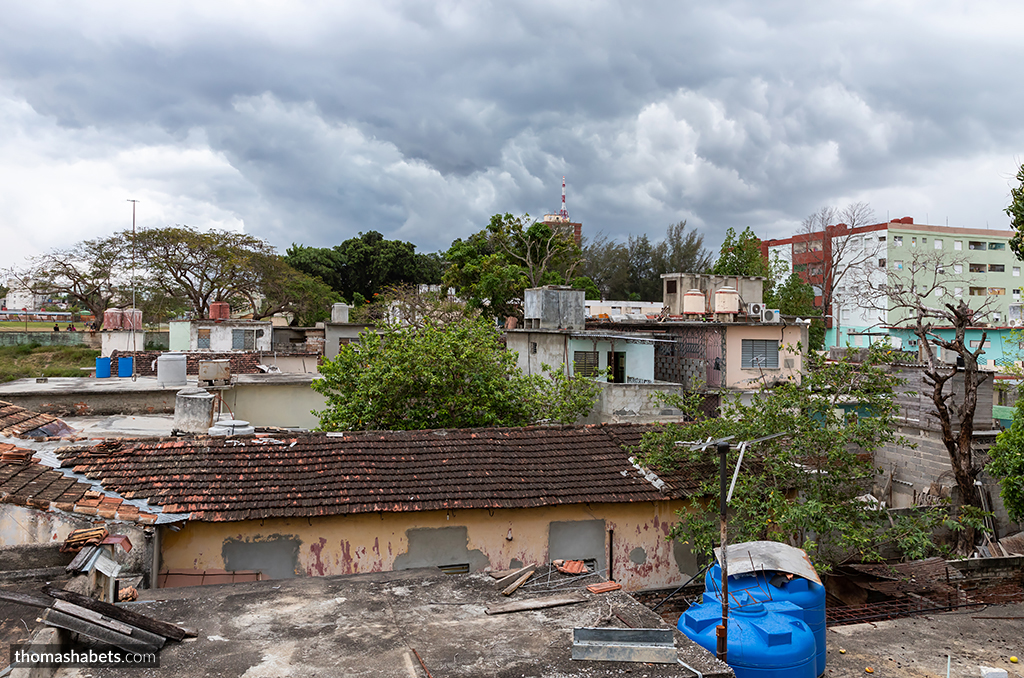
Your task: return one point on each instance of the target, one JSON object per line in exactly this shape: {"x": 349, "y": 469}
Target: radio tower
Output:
{"x": 564, "y": 213}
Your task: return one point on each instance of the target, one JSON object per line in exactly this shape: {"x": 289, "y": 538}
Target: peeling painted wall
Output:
{"x": 386, "y": 541}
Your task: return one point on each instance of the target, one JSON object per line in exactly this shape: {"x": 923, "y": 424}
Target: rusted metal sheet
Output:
{"x": 756, "y": 556}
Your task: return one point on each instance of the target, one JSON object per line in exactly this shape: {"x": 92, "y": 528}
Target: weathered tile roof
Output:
{"x": 18, "y": 422}
{"x": 229, "y": 479}
{"x": 27, "y": 483}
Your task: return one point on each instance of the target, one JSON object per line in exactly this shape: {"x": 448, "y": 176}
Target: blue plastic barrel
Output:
{"x": 766, "y": 640}
{"x": 102, "y": 368}
{"x": 765, "y": 586}
{"x": 124, "y": 367}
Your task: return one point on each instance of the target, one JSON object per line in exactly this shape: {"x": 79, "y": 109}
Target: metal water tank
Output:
{"x": 220, "y": 310}
{"x": 171, "y": 370}
{"x": 694, "y": 303}
{"x": 132, "y": 319}
{"x": 112, "y": 319}
{"x": 231, "y": 427}
{"x": 193, "y": 410}
{"x": 339, "y": 313}
{"x": 727, "y": 300}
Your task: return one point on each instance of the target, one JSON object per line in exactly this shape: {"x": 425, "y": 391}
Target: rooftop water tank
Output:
{"x": 231, "y": 427}
{"x": 193, "y": 410}
{"x": 776, "y": 586}
{"x": 727, "y": 300}
{"x": 112, "y": 319}
{"x": 693, "y": 303}
{"x": 131, "y": 319}
{"x": 765, "y": 640}
{"x": 220, "y": 310}
{"x": 171, "y": 370}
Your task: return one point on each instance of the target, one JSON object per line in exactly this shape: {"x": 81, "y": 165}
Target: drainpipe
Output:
{"x": 154, "y": 567}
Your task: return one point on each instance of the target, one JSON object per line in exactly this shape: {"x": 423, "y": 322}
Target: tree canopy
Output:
{"x": 1007, "y": 464}
{"x": 455, "y": 375}
{"x": 803, "y": 488}
{"x": 93, "y": 274}
{"x": 1015, "y": 211}
{"x": 741, "y": 255}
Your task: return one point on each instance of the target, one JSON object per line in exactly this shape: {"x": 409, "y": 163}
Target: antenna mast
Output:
{"x": 564, "y": 213}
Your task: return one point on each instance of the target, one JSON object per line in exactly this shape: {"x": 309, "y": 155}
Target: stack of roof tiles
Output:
{"x": 21, "y": 423}
{"x": 230, "y": 479}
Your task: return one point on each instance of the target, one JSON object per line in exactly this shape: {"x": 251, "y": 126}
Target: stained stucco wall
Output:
{"x": 790, "y": 361}
{"x": 642, "y": 557}
{"x": 275, "y": 404}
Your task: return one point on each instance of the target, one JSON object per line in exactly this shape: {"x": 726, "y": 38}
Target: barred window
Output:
{"x": 585, "y": 363}
{"x": 760, "y": 353}
{"x": 243, "y": 340}
{"x": 203, "y": 340}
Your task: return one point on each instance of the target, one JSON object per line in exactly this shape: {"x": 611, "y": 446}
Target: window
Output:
{"x": 243, "y": 340}
{"x": 203, "y": 340}
{"x": 1016, "y": 271}
{"x": 913, "y": 242}
{"x": 938, "y": 243}
{"x": 845, "y": 314}
{"x": 897, "y": 241}
{"x": 898, "y": 265}
{"x": 975, "y": 342}
{"x": 533, "y": 347}
{"x": 997, "y": 291}
{"x": 975, "y": 245}
{"x": 996, "y": 317}
{"x": 958, "y": 292}
{"x": 958, "y": 244}
{"x": 760, "y": 353}
{"x": 997, "y": 245}
{"x": 939, "y": 291}
{"x": 585, "y": 363}
{"x": 1016, "y": 294}
{"x": 958, "y": 268}
{"x": 881, "y": 263}
{"x": 670, "y": 287}
{"x": 978, "y": 268}
{"x": 881, "y": 238}
{"x": 996, "y": 268}
{"x": 977, "y": 291}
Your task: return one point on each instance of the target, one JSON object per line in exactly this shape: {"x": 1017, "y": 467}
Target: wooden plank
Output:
{"x": 501, "y": 574}
{"x": 516, "y": 584}
{"x": 25, "y": 599}
{"x": 514, "y": 575}
{"x": 534, "y": 604}
{"x": 77, "y": 564}
{"x": 52, "y": 617}
{"x": 95, "y": 617}
{"x": 120, "y": 614}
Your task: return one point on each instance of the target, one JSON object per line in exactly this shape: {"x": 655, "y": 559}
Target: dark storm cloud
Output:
{"x": 309, "y": 123}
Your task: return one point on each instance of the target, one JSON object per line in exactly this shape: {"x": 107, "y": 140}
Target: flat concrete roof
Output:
{"x": 86, "y": 385}
{"x": 369, "y": 624}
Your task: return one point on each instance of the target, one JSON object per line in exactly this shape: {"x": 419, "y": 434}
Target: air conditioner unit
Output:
{"x": 1013, "y": 322}
{"x": 755, "y": 309}
{"x": 770, "y": 315}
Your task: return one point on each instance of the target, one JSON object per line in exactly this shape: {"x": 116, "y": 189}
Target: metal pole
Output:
{"x": 134, "y": 345}
{"x": 722, "y": 632}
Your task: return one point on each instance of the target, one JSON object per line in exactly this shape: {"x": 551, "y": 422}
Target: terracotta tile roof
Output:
{"x": 228, "y": 479}
{"x": 21, "y": 423}
{"x": 27, "y": 483}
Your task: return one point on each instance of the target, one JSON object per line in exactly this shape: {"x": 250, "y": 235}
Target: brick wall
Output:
{"x": 241, "y": 362}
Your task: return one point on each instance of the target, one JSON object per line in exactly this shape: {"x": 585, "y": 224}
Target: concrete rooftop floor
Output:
{"x": 369, "y": 624}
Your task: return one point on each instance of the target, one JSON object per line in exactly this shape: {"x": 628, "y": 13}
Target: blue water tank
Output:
{"x": 765, "y": 640}
{"x": 124, "y": 367}
{"x": 765, "y": 586}
{"x": 102, "y": 368}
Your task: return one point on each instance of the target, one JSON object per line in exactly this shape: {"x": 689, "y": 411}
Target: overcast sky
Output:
{"x": 311, "y": 122}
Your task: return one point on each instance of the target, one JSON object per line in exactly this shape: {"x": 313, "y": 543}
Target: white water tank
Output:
{"x": 231, "y": 427}
{"x": 693, "y": 303}
{"x": 339, "y": 313}
{"x": 170, "y": 370}
{"x": 727, "y": 300}
{"x": 193, "y": 410}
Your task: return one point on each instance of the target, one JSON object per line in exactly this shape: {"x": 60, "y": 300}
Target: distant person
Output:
{"x": 70, "y": 328}
{"x": 56, "y": 327}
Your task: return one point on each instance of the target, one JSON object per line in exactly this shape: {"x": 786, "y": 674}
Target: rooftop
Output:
{"x": 285, "y": 475}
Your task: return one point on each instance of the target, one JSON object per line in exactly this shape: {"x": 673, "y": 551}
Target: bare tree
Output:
{"x": 927, "y": 294}
{"x": 415, "y": 306}
{"x": 847, "y": 261}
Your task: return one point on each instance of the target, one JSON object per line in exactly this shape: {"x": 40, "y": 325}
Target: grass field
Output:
{"x": 19, "y": 362}
{"x": 14, "y": 326}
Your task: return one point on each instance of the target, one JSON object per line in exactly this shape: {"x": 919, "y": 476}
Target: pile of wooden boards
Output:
{"x": 79, "y": 538}
{"x": 116, "y": 626}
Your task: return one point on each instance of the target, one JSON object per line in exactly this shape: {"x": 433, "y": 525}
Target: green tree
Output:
{"x": 792, "y": 295}
{"x": 802, "y": 488}
{"x": 1015, "y": 211}
{"x": 741, "y": 255}
{"x": 1007, "y": 464}
{"x": 455, "y": 375}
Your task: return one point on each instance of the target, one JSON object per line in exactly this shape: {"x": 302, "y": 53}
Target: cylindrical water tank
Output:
{"x": 231, "y": 427}
{"x": 766, "y": 640}
{"x": 193, "y": 410}
{"x": 125, "y": 366}
{"x": 768, "y": 585}
{"x": 727, "y": 300}
{"x": 112, "y": 319}
{"x": 171, "y": 370}
{"x": 132, "y": 319}
{"x": 220, "y": 310}
{"x": 694, "y": 303}
{"x": 102, "y": 368}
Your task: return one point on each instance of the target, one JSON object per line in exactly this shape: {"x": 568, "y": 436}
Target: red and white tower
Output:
{"x": 564, "y": 213}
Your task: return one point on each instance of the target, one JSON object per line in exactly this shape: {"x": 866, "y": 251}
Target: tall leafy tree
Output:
{"x": 454, "y": 375}
{"x": 1007, "y": 464}
{"x": 741, "y": 255}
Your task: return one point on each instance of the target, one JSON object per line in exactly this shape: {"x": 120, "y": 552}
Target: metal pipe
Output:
{"x": 722, "y": 632}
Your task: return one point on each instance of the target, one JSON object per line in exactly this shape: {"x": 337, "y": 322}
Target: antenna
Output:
{"x": 563, "y": 212}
